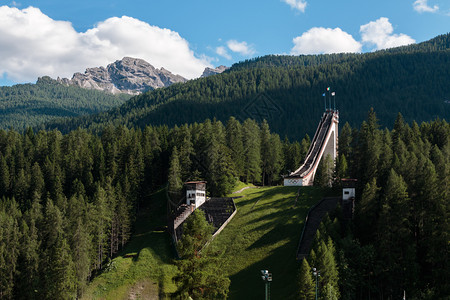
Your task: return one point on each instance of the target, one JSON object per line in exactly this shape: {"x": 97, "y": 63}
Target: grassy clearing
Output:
{"x": 264, "y": 234}
{"x": 240, "y": 185}
{"x": 149, "y": 273}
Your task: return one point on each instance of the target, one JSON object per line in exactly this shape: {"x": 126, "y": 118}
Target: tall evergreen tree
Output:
{"x": 59, "y": 277}
{"x": 306, "y": 285}
{"x": 175, "y": 182}
{"x": 252, "y": 152}
{"x": 9, "y": 246}
{"x": 265, "y": 150}
{"x": 235, "y": 144}
{"x": 29, "y": 278}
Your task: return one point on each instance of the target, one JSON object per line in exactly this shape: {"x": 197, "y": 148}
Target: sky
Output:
{"x": 58, "y": 38}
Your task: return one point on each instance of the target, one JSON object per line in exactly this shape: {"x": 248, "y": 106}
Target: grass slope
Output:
{"x": 264, "y": 234}
{"x": 150, "y": 272}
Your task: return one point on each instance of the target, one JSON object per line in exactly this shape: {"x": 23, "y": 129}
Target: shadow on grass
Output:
{"x": 149, "y": 253}
{"x": 247, "y": 283}
{"x": 149, "y": 222}
{"x": 266, "y": 238}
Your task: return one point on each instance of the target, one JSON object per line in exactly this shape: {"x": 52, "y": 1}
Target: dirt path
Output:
{"x": 243, "y": 189}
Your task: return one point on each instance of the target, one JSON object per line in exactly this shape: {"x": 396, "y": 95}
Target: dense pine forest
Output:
{"x": 413, "y": 80}
{"x": 70, "y": 190}
{"x": 25, "y": 105}
{"x": 398, "y": 241}
{"x": 68, "y": 201}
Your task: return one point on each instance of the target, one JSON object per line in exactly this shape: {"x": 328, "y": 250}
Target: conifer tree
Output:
{"x": 9, "y": 245}
{"x": 81, "y": 246}
{"x": 37, "y": 183}
{"x": 198, "y": 277}
{"x": 28, "y": 283}
{"x": 235, "y": 144}
{"x": 4, "y": 177}
{"x": 196, "y": 232}
{"x": 100, "y": 218}
{"x": 345, "y": 140}
{"x": 59, "y": 273}
{"x": 341, "y": 170}
{"x": 275, "y": 159}
{"x": 395, "y": 243}
{"x": 221, "y": 173}
{"x": 265, "y": 150}
{"x": 174, "y": 177}
{"x": 367, "y": 211}
{"x": 306, "y": 285}
{"x": 252, "y": 152}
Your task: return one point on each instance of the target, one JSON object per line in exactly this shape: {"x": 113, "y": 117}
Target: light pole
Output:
{"x": 267, "y": 278}
{"x": 316, "y": 274}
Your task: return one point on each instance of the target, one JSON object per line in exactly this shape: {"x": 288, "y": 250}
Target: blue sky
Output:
{"x": 58, "y": 38}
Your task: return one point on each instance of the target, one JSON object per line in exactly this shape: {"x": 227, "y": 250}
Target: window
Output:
{"x": 346, "y": 192}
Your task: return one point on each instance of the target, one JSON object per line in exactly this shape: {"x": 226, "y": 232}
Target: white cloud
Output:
{"x": 240, "y": 47}
{"x": 422, "y": 6}
{"x": 32, "y": 45}
{"x": 319, "y": 40}
{"x": 222, "y": 51}
{"x": 299, "y": 5}
{"x": 380, "y": 33}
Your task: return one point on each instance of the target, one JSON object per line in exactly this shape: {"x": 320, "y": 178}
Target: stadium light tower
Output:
{"x": 267, "y": 278}
{"x": 316, "y": 274}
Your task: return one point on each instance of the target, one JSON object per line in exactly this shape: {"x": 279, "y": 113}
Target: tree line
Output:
{"x": 287, "y": 92}
{"x": 25, "y": 105}
{"x": 68, "y": 202}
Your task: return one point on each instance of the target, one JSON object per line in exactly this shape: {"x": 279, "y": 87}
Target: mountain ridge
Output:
{"x": 128, "y": 75}
{"x": 213, "y": 71}
{"x": 409, "y": 80}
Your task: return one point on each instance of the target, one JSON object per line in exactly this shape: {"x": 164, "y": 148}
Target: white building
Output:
{"x": 195, "y": 193}
{"x": 348, "y": 189}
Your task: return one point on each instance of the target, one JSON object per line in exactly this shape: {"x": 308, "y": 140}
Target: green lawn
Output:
{"x": 150, "y": 272}
{"x": 264, "y": 234}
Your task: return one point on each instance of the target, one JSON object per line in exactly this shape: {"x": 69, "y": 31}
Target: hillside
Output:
{"x": 413, "y": 80}
{"x": 263, "y": 234}
{"x": 145, "y": 267}
{"x": 28, "y": 105}
{"x": 438, "y": 43}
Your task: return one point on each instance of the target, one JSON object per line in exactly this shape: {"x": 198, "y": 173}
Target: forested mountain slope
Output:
{"x": 26, "y": 105}
{"x": 438, "y": 43}
{"x": 413, "y": 80}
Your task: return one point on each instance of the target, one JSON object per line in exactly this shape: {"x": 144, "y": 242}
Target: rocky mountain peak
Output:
{"x": 209, "y": 71}
{"x": 128, "y": 75}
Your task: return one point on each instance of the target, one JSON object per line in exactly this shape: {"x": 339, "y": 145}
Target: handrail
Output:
{"x": 317, "y": 150}
{"x": 313, "y": 144}
{"x": 316, "y": 146}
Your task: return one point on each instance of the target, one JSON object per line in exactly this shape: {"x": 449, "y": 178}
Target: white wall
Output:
{"x": 198, "y": 196}
{"x": 348, "y": 193}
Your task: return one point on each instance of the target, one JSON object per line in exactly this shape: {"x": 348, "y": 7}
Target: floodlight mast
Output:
{"x": 267, "y": 278}
{"x": 316, "y": 274}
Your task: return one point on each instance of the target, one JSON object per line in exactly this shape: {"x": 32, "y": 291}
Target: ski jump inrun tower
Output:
{"x": 324, "y": 143}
